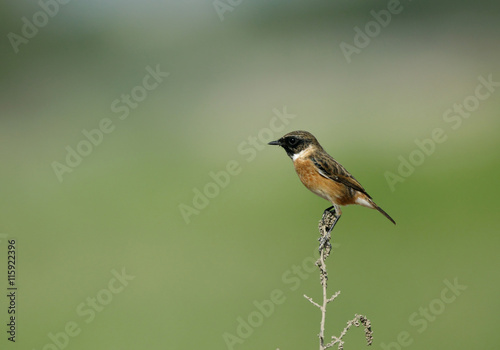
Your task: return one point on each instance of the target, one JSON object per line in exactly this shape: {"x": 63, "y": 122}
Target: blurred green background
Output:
{"x": 119, "y": 209}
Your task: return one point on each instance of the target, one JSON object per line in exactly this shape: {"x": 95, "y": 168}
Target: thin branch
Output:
{"x": 311, "y": 300}
{"x": 333, "y": 297}
{"x": 327, "y": 220}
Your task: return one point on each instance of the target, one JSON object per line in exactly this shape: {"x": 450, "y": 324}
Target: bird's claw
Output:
{"x": 324, "y": 243}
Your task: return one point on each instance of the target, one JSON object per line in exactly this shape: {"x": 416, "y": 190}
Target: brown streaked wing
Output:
{"x": 331, "y": 169}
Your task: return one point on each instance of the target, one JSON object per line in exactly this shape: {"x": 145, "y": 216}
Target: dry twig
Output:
{"x": 325, "y": 224}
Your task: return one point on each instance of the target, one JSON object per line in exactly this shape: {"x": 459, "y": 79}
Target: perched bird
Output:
{"x": 323, "y": 175}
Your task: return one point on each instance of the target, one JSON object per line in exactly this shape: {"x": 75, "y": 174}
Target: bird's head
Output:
{"x": 295, "y": 142}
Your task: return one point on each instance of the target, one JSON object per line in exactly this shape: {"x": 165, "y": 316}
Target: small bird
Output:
{"x": 323, "y": 175}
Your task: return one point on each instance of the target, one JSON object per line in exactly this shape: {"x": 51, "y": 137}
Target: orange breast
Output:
{"x": 332, "y": 191}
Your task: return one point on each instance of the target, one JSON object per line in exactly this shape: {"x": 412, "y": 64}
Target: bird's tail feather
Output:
{"x": 366, "y": 201}
{"x": 384, "y": 213}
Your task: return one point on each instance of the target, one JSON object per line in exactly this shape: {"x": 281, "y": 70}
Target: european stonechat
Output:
{"x": 323, "y": 175}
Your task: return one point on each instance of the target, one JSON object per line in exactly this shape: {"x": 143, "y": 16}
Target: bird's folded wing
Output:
{"x": 331, "y": 169}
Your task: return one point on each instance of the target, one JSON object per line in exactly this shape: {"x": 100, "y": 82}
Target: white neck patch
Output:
{"x": 300, "y": 154}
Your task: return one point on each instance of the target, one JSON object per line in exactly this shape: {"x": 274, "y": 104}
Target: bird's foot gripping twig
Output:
{"x": 326, "y": 225}
{"x": 324, "y": 243}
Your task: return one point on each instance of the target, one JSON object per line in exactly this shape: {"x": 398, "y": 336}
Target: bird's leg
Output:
{"x": 325, "y": 240}
{"x": 337, "y": 217}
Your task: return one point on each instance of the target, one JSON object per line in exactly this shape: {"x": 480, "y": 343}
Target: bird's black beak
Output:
{"x": 275, "y": 143}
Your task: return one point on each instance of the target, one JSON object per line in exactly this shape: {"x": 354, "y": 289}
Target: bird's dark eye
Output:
{"x": 292, "y": 141}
